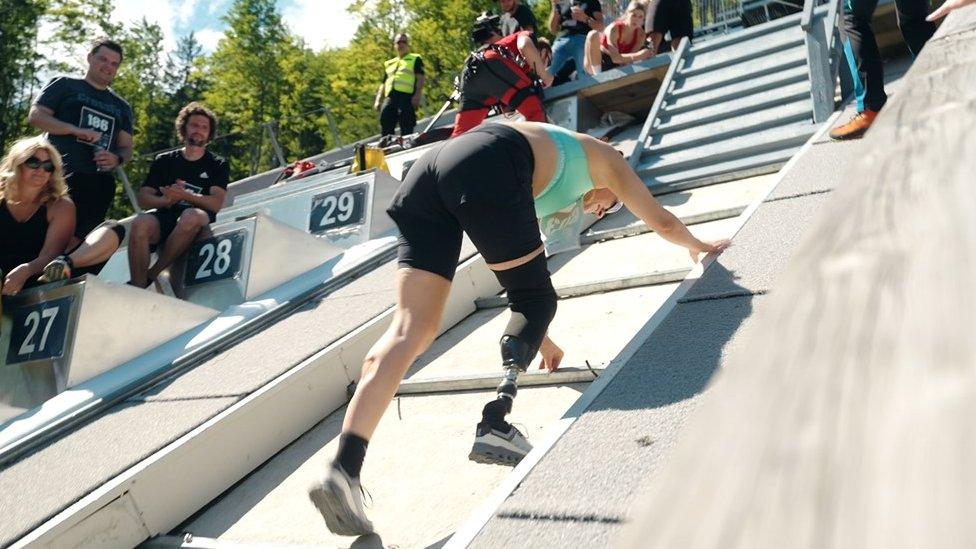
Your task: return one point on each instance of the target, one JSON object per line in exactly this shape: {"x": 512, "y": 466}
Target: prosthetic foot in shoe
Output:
{"x": 338, "y": 497}
{"x": 501, "y": 445}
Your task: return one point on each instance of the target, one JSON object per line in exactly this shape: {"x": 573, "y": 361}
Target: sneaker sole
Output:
{"x": 336, "y": 514}
{"x": 54, "y": 274}
{"x": 493, "y": 455}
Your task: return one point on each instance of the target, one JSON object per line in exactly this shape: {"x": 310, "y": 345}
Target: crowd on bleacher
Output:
{"x": 56, "y": 189}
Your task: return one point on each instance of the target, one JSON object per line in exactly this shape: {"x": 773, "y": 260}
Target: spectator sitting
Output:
{"x": 91, "y": 126}
{"x": 620, "y": 44}
{"x": 186, "y": 187}
{"x": 501, "y": 72}
{"x": 402, "y": 87}
{"x": 515, "y": 17}
{"x": 37, "y": 218}
{"x": 571, "y": 21}
{"x": 672, "y": 16}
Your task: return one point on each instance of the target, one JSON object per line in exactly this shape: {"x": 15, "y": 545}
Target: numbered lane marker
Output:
{"x": 38, "y": 331}
{"x": 217, "y": 258}
{"x": 337, "y": 209}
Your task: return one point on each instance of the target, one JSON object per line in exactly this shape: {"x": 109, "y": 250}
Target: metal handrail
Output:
{"x": 676, "y": 58}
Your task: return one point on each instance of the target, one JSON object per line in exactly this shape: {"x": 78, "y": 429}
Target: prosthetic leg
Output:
{"x": 532, "y": 300}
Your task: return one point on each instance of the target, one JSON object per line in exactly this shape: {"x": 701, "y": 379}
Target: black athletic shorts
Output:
{"x": 92, "y": 194}
{"x": 674, "y": 16}
{"x": 167, "y": 222}
{"x": 606, "y": 63}
{"x": 479, "y": 183}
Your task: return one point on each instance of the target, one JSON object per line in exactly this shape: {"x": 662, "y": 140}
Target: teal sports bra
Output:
{"x": 571, "y": 180}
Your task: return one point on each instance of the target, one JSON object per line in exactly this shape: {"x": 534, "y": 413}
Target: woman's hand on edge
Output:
{"x": 16, "y": 279}
{"x": 552, "y": 355}
{"x": 713, "y": 246}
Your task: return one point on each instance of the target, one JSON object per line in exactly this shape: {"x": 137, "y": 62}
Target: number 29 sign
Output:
{"x": 214, "y": 259}
{"x": 336, "y": 209}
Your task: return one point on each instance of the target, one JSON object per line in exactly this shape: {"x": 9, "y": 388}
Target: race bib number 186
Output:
{"x": 100, "y": 122}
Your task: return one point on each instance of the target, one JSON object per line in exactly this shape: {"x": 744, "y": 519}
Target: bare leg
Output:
{"x": 591, "y": 54}
{"x": 674, "y": 44}
{"x": 420, "y": 303}
{"x": 98, "y": 247}
{"x": 656, "y": 39}
{"x": 145, "y": 231}
{"x": 188, "y": 226}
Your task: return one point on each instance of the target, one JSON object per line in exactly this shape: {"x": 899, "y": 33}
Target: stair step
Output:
{"x": 735, "y": 108}
{"x": 687, "y": 87}
{"x": 723, "y": 56}
{"x": 735, "y": 90}
{"x": 738, "y": 126}
{"x": 750, "y": 33}
{"x": 727, "y": 149}
{"x": 720, "y": 172}
{"x": 785, "y": 45}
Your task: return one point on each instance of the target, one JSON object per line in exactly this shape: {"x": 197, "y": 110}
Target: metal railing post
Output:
{"x": 332, "y": 126}
{"x": 129, "y": 192}
{"x": 818, "y": 63}
{"x": 270, "y": 126}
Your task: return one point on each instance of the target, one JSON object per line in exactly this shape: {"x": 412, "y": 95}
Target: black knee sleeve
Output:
{"x": 119, "y": 230}
{"x": 532, "y": 300}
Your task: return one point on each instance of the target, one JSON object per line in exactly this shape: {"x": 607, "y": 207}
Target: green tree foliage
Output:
{"x": 18, "y": 64}
{"x": 260, "y": 75}
{"x": 249, "y": 80}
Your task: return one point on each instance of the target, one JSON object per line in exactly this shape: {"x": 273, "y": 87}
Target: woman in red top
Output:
{"x": 622, "y": 43}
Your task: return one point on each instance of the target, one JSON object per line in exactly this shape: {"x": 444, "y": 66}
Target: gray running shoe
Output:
{"x": 339, "y": 498}
{"x": 499, "y": 446}
{"x": 58, "y": 268}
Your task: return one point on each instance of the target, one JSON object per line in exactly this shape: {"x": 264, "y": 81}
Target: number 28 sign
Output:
{"x": 336, "y": 209}
{"x": 214, "y": 259}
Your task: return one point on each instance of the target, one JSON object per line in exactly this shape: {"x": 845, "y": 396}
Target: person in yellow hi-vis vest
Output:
{"x": 402, "y": 86}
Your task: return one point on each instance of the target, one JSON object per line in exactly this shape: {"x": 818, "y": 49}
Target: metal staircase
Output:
{"x": 735, "y": 106}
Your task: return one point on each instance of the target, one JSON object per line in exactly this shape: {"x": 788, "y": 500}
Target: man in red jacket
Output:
{"x": 503, "y": 71}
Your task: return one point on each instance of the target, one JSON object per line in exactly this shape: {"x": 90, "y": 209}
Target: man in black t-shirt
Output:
{"x": 91, "y": 126}
{"x": 571, "y": 21}
{"x": 186, "y": 188}
{"x": 515, "y": 17}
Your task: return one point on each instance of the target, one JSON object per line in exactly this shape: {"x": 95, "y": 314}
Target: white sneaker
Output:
{"x": 502, "y": 447}
{"x": 339, "y": 498}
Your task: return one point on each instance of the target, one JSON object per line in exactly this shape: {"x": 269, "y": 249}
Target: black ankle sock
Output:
{"x": 352, "y": 452}
{"x": 494, "y": 412}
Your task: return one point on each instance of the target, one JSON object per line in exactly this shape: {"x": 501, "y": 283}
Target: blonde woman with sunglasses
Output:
{"x": 36, "y": 216}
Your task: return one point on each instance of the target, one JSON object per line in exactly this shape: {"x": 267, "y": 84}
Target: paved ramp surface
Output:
{"x": 584, "y": 489}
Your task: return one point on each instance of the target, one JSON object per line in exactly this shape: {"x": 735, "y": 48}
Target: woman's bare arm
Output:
{"x": 608, "y": 169}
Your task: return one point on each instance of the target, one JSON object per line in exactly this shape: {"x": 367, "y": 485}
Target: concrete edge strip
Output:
{"x": 599, "y": 286}
{"x": 483, "y": 382}
{"x": 639, "y": 228}
{"x": 468, "y": 531}
{"x": 144, "y": 500}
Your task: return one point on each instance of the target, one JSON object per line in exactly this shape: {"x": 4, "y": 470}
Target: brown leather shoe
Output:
{"x": 855, "y": 127}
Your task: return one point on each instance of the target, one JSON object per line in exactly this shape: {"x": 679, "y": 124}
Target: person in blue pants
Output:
{"x": 864, "y": 59}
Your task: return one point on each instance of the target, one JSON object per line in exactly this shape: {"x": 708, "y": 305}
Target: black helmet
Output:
{"x": 484, "y": 26}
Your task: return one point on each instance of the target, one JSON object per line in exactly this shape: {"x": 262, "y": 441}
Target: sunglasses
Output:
{"x": 35, "y": 163}
{"x": 402, "y": 42}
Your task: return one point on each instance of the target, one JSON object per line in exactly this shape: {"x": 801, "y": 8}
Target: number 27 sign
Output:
{"x": 39, "y": 330}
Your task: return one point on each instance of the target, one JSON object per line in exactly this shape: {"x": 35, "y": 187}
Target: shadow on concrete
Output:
{"x": 682, "y": 355}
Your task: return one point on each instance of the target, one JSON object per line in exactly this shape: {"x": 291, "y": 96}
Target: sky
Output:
{"x": 320, "y": 22}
